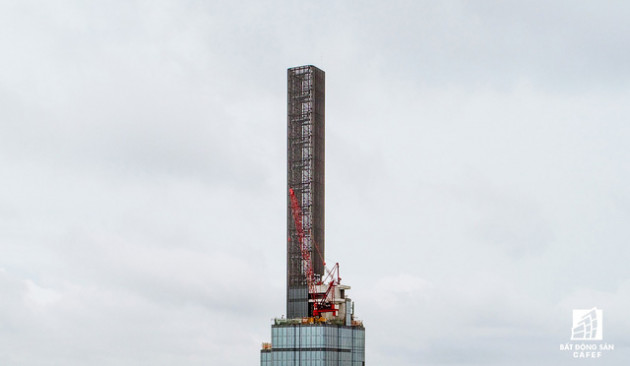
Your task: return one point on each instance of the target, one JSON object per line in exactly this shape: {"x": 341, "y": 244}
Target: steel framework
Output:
{"x": 305, "y": 176}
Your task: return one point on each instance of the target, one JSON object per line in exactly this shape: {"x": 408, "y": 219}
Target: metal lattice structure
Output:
{"x": 305, "y": 175}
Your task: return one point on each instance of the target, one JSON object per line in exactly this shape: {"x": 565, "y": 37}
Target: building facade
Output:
{"x": 314, "y": 345}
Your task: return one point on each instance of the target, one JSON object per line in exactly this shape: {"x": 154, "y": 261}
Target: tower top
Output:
{"x": 305, "y": 177}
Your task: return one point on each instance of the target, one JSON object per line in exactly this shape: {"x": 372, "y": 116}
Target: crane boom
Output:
{"x": 307, "y": 265}
{"x": 322, "y": 300}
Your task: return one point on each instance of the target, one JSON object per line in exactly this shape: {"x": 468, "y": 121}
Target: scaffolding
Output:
{"x": 305, "y": 175}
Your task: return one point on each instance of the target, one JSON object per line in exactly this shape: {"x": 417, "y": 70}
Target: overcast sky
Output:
{"x": 477, "y": 186}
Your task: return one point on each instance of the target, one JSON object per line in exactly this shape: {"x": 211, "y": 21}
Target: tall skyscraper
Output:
{"x": 305, "y": 175}
{"x": 320, "y": 328}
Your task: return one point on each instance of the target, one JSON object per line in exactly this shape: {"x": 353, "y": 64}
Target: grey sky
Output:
{"x": 477, "y": 182}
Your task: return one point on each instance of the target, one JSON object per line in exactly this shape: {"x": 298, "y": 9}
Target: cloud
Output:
{"x": 477, "y": 186}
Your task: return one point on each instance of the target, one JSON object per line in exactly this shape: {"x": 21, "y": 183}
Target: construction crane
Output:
{"x": 321, "y": 292}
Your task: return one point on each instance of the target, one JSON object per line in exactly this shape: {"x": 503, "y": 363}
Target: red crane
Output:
{"x": 323, "y": 301}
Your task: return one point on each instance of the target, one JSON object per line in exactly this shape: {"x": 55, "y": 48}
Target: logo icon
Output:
{"x": 587, "y": 325}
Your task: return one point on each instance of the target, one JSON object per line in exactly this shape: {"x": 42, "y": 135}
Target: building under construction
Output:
{"x": 320, "y": 328}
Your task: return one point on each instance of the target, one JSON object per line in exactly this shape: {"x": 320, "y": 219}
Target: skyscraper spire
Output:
{"x": 305, "y": 175}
